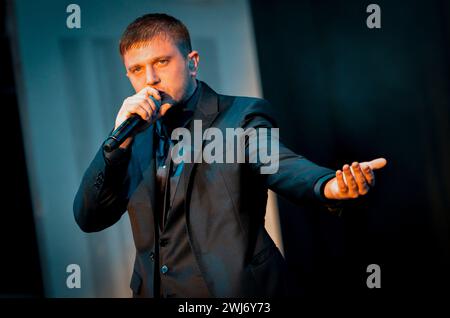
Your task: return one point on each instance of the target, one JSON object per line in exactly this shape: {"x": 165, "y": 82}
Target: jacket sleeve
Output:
{"x": 290, "y": 175}
{"x": 102, "y": 197}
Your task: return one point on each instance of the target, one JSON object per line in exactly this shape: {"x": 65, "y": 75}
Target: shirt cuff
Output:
{"x": 333, "y": 206}
{"x": 319, "y": 187}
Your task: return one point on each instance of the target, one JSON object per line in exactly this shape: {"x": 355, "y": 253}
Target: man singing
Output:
{"x": 198, "y": 227}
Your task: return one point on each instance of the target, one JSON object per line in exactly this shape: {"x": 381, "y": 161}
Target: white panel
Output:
{"x": 72, "y": 83}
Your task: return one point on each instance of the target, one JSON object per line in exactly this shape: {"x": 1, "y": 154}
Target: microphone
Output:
{"x": 127, "y": 128}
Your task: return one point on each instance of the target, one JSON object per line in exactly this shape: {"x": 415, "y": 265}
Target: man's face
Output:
{"x": 159, "y": 63}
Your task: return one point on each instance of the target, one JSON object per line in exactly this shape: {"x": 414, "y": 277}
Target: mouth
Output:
{"x": 163, "y": 95}
{"x": 166, "y": 98}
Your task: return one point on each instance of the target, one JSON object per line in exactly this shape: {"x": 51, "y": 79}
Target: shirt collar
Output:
{"x": 180, "y": 114}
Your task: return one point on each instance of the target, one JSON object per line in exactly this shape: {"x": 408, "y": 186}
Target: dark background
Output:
{"x": 343, "y": 92}
{"x": 20, "y": 272}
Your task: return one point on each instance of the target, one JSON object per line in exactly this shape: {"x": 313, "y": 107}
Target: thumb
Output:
{"x": 164, "y": 108}
{"x": 377, "y": 163}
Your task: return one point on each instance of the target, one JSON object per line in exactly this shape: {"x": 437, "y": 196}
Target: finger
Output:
{"x": 350, "y": 180}
{"x": 363, "y": 188}
{"x": 164, "y": 108}
{"x": 140, "y": 111}
{"x": 141, "y": 101}
{"x": 136, "y": 99}
{"x": 368, "y": 174}
{"x": 377, "y": 163}
{"x": 148, "y": 91}
{"x": 153, "y": 104}
{"x": 146, "y": 102}
{"x": 340, "y": 181}
{"x": 146, "y": 107}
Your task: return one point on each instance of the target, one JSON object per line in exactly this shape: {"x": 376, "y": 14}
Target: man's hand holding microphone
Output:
{"x": 136, "y": 114}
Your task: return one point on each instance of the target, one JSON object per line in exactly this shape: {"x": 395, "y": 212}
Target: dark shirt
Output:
{"x": 177, "y": 273}
{"x": 179, "y": 115}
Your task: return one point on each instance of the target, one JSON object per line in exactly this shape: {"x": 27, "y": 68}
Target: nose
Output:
{"x": 151, "y": 77}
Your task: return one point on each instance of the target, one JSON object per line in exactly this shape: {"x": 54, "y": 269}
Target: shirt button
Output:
{"x": 164, "y": 269}
{"x": 152, "y": 256}
{"x": 163, "y": 242}
{"x": 164, "y": 167}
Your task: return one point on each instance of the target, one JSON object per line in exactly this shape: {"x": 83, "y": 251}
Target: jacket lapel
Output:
{"x": 206, "y": 111}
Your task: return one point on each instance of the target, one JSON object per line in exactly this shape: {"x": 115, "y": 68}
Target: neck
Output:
{"x": 190, "y": 90}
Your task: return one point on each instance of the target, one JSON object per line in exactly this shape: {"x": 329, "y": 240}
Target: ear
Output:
{"x": 193, "y": 58}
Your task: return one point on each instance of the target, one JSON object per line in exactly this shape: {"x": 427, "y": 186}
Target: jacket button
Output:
{"x": 152, "y": 256}
{"x": 100, "y": 177}
{"x": 164, "y": 269}
{"x": 99, "y": 180}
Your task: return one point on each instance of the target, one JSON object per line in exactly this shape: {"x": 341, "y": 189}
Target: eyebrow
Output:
{"x": 153, "y": 60}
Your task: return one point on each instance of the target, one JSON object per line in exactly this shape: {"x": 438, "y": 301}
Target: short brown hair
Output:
{"x": 148, "y": 26}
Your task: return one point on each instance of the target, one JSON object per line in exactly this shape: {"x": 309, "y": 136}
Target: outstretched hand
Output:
{"x": 353, "y": 182}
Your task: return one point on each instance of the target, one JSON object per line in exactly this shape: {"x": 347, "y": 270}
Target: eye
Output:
{"x": 136, "y": 69}
{"x": 162, "y": 62}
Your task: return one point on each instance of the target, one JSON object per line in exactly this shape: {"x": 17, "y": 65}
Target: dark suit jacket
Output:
{"x": 225, "y": 204}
